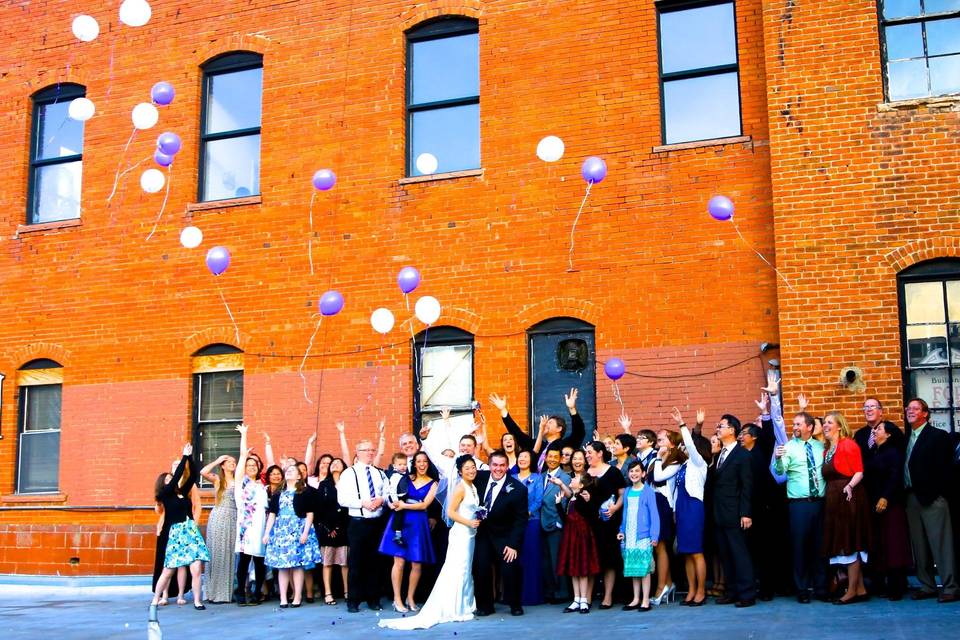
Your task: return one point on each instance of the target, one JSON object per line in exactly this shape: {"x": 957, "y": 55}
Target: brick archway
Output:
{"x": 557, "y": 307}
{"x": 215, "y": 335}
{"x": 921, "y": 250}
{"x": 436, "y": 8}
{"x": 36, "y": 350}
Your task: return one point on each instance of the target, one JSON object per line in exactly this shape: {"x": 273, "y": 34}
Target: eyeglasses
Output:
{"x": 366, "y": 449}
{"x": 868, "y": 407}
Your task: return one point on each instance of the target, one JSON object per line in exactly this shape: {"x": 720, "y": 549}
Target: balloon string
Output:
{"x": 616, "y": 395}
{"x": 162, "y": 206}
{"x": 236, "y": 329}
{"x": 573, "y": 230}
{"x": 313, "y": 196}
{"x": 406, "y": 298}
{"x": 116, "y": 179}
{"x": 303, "y": 362}
{"x": 761, "y": 256}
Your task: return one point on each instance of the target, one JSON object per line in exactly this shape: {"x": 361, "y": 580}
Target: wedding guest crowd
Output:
{"x": 637, "y": 521}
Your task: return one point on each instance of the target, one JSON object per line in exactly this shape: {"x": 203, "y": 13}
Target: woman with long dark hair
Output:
{"x": 890, "y": 552}
{"x": 608, "y": 496}
{"x": 577, "y": 557}
{"x": 532, "y": 551}
{"x": 332, "y": 530}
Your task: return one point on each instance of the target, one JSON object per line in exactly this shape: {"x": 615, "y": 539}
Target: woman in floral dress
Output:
{"x": 251, "y": 499}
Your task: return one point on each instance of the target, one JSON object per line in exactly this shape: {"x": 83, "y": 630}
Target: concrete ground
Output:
{"x": 121, "y": 612}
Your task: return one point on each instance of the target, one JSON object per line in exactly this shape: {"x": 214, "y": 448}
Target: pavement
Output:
{"x": 89, "y": 613}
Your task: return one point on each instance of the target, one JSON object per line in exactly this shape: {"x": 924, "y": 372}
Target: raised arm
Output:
{"x": 309, "y": 453}
{"x": 344, "y": 447}
{"x": 625, "y": 423}
{"x": 695, "y": 458}
{"x": 486, "y": 439}
{"x": 524, "y": 441}
{"x": 207, "y": 471}
{"x": 268, "y": 450}
{"x": 538, "y": 444}
{"x": 433, "y": 447}
{"x": 381, "y": 445}
{"x": 578, "y": 430}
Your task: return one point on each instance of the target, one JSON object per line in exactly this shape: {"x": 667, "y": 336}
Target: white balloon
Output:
{"x": 81, "y": 109}
{"x": 550, "y": 149}
{"x": 152, "y": 180}
{"x": 135, "y": 13}
{"x": 427, "y": 310}
{"x": 427, "y": 163}
{"x": 145, "y": 115}
{"x": 382, "y": 320}
{"x": 86, "y": 28}
{"x": 191, "y": 237}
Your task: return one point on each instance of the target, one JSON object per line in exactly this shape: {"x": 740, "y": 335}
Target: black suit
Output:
{"x": 503, "y": 527}
{"x": 732, "y": 500}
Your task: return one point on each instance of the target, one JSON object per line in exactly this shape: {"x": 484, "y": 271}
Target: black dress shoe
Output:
{"x": 947, "y": 597}
{"x": 483, "y": 612}
{"x": 630, "y": 607}
{"x": 644, "y": 609}
{"x": 697, "y": 603}
{"x": 516, "y": 611}
{"x": 604, "y": 607}
{"x": 284, "y": 606}
{"x": 352, "y": 608}
{"x": 743, "y": 604}
{"x": 726, "y": 600}
{"x": 803, "y": 598}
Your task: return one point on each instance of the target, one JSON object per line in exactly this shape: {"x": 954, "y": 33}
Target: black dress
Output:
{"x": 605, "y": 531}
{"x": 329, "y": 517}
{"x": 175, "y": 508}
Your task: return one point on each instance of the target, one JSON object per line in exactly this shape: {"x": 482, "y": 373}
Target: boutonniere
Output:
{"x": 508, "y": 488}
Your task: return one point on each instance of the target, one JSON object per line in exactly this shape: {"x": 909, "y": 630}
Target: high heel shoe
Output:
{"x": 399, "y": 608}
{"x": 412, "y": 606}
{"x": 660, "y": 597}
{"x": 672, "y": 593}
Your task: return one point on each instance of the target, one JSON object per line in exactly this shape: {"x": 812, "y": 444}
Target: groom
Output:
{"x": 500, "y": 535}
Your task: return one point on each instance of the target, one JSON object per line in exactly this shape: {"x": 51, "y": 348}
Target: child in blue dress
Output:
{"x": 639, "y": 533}
{"x": 291, "y": 542}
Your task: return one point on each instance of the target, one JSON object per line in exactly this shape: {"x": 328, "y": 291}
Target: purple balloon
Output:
{"x": 614, "y": 368}
{"x": 162, "y": 93}
{"x": 721, "y": 208}
{"x": 218, "y": 259}
{"x": 324, "y": 179}
{"x": 331, "y": 303}
{"x": 594, "y": 170}
{"x": 169, "y": 143}
{"x": 162, "y": 159}
{"x": 408, "y": 279}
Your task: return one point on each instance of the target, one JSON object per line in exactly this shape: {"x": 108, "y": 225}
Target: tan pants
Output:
{"x": 931, "y": 536}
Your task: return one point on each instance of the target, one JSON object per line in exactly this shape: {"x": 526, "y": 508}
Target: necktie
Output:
{"x": 812, "y": 471}
{"x": 906, "y": 463}
{"x": 870, "y": 439}
{"x": 723, "y": 457}
{"x": 488, "y": 500}
{"x": 373, "y": 491}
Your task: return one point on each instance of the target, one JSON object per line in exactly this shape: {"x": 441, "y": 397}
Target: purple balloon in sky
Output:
{"x": 162, "y": 93}
{"x": 720, "y": 207}
{"x": 169, "y": 143}
{"x": 331, "y": 303}
{"x": 218, "y": 259}
{"x": 594, "y": 170}
{"x": 408, "y": 279}
{"x": 324, "y": 179}
{"x": 614, "y": 368}
{"x": 162, "y": 159}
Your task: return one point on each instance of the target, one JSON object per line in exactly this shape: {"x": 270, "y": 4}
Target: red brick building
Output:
{"x": 117, "y": 347}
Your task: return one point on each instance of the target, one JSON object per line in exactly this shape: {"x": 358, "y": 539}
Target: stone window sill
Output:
{"x": 932, "y": 103}
{"x": 33, "y": 498}
{"x": 194, "y": 207}
{"x": 450, "y": 175}
{"x": 714, "y": 142}
{"x": 40, "y": 227}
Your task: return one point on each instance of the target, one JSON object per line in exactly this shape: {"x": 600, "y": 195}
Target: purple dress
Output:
{"x": 416, "y": 531}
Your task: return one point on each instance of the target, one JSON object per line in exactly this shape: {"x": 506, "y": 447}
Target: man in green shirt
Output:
{"x": 801, "y": 460}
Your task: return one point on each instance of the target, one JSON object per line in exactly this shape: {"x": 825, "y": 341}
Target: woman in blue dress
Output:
{"x": 691, "y": 480}
{"x": 417, "y": 546}
{"x": 530, "y": 554}
{"x": 291, "y": 542}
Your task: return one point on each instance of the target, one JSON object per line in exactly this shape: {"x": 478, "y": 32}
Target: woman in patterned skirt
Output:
{"x": 221, "y": 530}
{"x": 291, "y": 543}
{"x": 185, "y": 546}
{"x": 639, "y": 533}
{"x": 251, "y": 499}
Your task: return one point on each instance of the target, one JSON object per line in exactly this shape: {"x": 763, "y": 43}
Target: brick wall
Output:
{"x": 668, "y": 289}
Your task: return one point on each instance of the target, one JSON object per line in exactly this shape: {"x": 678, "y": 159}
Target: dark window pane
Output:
{"x": 452, "y": 135}
{"x": 901, "y": 8}
{"x": 221, "y": 396}
{"x": 943, "y": 37}
{"x": 39, "y": 462}
{"x": 234, "y": 100}
{"x": 445, "y": 68}
{"x": 904, "y": 41}
{"x": 953, "y": 330}
{"x": 217, "y": 439}
{"x": 57, "y": 134}
{"x": 231, "y": 168}
{"x": 927, "y": 345}
{"x": 56, "y": 192}
{"x": 945, "y": 75}
{"x": 907, "y": 79}
{"x": 940, "y": 6}
{"x": 697, "y": 38}
{"x": 43, "y": 407}
{"x": 701, "y": 108}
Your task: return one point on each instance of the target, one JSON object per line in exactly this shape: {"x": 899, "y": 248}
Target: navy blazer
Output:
{"x": 507, "y": 520}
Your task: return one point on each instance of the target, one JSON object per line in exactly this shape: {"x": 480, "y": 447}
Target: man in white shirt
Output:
{"x": 362, "y": 490}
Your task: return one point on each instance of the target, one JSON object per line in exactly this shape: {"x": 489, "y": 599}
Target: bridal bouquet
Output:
{"x": 480, "y": 513}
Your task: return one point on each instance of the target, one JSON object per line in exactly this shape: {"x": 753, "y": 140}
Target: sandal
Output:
{"x": 181, "y": 602}
{"x": 328, "y": 599}
{"x": 162, "y": 602}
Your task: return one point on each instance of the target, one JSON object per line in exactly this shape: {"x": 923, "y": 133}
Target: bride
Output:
{"x": 452, "y": 597}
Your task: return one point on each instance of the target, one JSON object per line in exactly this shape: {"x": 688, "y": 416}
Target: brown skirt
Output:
{"x": 846, "y": 527}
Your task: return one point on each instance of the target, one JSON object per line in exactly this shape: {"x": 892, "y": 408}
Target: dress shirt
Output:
{"x": 724, "y": 453}
{"x": 496, "y": 490}
{"x": 779, "y": 433}
{"x": 695, "y": 478}
{"x": 914, "y": 434}
{"x": 353, "y": 489}
{"x": 794, "y": 465}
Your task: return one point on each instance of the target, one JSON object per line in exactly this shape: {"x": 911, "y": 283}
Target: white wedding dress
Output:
{"x": 452, "y": 597}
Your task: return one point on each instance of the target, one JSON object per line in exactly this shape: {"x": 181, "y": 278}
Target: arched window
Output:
{"x": 217, "y": 400}
{"x": 930, "y": 335}
{"x": 443, "y": 373}
{"x": 230, "y": 126}
{"x": 562, "y": 355}
{"x": 40, "y": 384}
{"x": 443, "y": 94}
{"x": 56, "y": 156}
